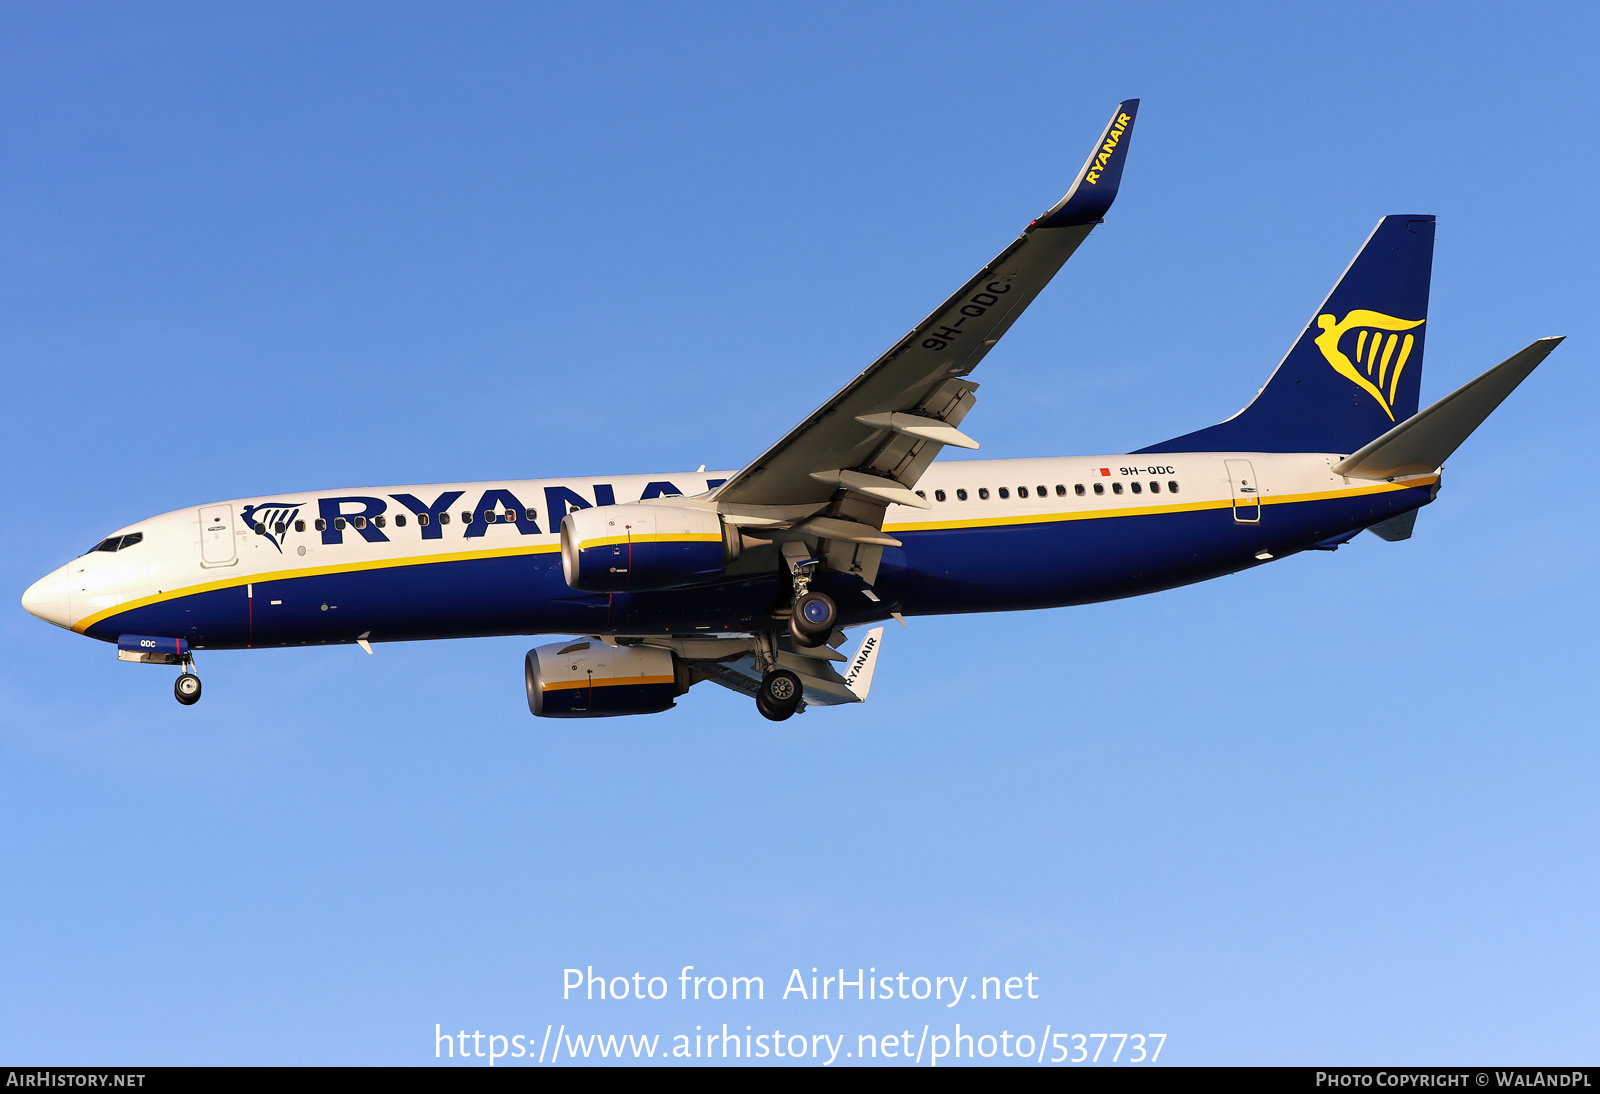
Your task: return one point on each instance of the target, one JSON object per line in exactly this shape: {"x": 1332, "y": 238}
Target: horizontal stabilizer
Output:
{"x": 1423, "y": 442}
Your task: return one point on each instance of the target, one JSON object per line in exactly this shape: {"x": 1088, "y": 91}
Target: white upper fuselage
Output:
{"x": 180, "y": 553}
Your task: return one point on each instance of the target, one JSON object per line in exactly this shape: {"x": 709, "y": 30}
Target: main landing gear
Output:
{"x": 814, "y": 615}
{"x": 778, "y": 695}
{"x": 813, "y": 618}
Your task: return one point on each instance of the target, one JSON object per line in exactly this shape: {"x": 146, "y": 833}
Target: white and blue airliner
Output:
{"x": 749, "y": 578}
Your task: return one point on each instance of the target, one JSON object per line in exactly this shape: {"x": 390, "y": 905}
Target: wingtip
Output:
{"x": 1092, "y": 192}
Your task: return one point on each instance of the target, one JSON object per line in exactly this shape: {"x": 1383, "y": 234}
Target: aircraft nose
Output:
{"x": 47, "y": 599}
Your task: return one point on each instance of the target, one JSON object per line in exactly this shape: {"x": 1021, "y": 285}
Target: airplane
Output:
{"x": 749, "y": 578}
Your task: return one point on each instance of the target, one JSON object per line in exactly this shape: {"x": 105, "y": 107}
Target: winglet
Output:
{"x": 1096, "y": 185}
{"x": 859, "y": 676}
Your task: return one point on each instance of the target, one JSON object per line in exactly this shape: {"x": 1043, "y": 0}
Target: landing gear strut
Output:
{"x": 778, "y": 696}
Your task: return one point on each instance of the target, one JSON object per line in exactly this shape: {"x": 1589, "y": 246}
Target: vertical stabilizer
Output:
{"x": 1355, "y": 370}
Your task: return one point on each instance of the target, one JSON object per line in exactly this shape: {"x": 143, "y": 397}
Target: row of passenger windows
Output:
{"x": 490, "y": 516}
{"x": 1061, "y": 490}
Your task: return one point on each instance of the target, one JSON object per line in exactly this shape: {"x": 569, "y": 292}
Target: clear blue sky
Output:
{"x": 1341, "y": 809}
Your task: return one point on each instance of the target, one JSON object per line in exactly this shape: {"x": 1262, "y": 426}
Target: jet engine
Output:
{"x": 589, "y": 679}
{"x": 632, "y": 548}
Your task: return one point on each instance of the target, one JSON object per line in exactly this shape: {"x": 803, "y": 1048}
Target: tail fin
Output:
{"x": 1356, "y": 370}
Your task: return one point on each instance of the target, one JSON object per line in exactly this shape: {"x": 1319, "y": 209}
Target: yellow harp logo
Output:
{"x": 1377, "y": 339}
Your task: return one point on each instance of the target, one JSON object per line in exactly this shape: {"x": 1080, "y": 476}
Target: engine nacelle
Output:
{"x": 634, "y": 548}
{"x": 588, "y": 679}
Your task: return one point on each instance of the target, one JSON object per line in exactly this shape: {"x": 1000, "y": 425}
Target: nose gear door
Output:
{"x": 1246, "y": 491}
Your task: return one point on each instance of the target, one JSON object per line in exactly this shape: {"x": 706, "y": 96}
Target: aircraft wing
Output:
{"x": 871, "y": 442}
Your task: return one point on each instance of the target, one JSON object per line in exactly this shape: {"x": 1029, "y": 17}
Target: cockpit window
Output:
{"x": 116, "y": 543}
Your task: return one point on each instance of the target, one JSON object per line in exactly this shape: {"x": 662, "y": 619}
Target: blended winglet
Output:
{"x": 858, "y": 677}
{"x": 1095, "y": 188}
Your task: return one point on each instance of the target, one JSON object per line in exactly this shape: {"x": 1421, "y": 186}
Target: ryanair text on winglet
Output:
{"x": 1103, "y": 157}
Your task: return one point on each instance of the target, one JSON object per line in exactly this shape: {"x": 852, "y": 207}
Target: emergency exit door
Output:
{"x": 1246, "y": 492}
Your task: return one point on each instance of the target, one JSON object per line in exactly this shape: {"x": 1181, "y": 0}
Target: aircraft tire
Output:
{"x": 813, "y": 620}
{"x": 187, "y": 689}
{"x": 779, "y": 694}
{"x": 768, "y": 713}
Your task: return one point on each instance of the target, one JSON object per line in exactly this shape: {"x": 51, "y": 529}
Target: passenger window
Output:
{"x": 466, "y": 517}
{"x": 488, "y": 516}
{"x": 1172, "y": 488}
{"x": 533, "y": 514}
{"x": 922, "y": 494}
{"x": 380, "y": 521}
{"x": 983, "y": 493}
{"x": 299, "y": 526}
{"x": 1005, "y": 492}
{"x": 130, "y": 539}
{"x": 321, "y": 525}
{"x": 399, "y": 520}
{"x": 1137, "y": 489}
{"x": 260, "y": 528}
{"x": 1116, "y": 488}
{"x": 1061, "y": 491}
{"x": 361, "y": 522}
{"x": 961, "y": 495}
{"x": 1099, "y": 488}
{"x": 938, "y": 495}
{"x": 1155, "y": 488}
{"x": 1040, "y": 491}
{"x": 1077, "y": 489}
{"x": 444, "y": 518}
{"x": 338, "y": 523}
{"x": 1022, "y": 491}
{"x": 422, "y": 520}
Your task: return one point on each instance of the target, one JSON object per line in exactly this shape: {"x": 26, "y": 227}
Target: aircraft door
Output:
{"x": 218, "y": 547}
{"x": 1246, "y": 491}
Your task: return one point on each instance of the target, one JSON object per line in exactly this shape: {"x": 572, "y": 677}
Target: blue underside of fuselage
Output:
{"x": 937, "y": 572}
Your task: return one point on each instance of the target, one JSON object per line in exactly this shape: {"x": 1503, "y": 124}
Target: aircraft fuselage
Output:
{"x": 460, "y": 560}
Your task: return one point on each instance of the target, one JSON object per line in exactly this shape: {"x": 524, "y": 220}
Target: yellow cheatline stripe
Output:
{"x": 1152, "y": 510}
{"x": 664, "y": 537}
{"x": 570, "y": 684}
{"x": 236, "y": 580}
